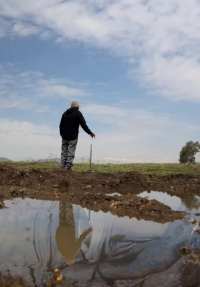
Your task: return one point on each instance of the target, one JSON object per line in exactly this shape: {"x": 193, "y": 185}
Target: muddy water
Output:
{"x": 96, "y": 248}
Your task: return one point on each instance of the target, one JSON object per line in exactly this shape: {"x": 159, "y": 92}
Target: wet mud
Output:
{"x": 92, "y": 190}
{"x": 9, "y": 281}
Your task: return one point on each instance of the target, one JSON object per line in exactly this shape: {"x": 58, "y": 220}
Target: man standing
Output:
{"x": 69, "y": 129}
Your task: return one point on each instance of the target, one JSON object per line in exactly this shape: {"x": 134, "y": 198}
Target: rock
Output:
{"x": 2, "y": 205}
{"x": 114, "y": 204}
{"x": 125, "y": 202}
{"x": 192, "y": 220}
{"x": 184, "y": 250}
{"x": 63, "y": 183}
{"x": 117, "y": 182}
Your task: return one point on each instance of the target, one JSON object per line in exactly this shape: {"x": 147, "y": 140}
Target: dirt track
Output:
{"x": 90, "y": 190}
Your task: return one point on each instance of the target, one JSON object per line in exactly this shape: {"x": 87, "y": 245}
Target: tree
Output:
{"x": 188, "y": 152}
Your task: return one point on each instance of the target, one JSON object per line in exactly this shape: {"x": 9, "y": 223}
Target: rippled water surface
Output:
{"x": 96, "y": 248}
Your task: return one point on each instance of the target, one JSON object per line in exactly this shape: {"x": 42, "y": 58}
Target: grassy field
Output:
{"x": 145, "y": 168}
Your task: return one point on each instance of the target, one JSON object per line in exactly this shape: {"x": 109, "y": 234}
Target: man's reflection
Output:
{"x": 67, "y": 243}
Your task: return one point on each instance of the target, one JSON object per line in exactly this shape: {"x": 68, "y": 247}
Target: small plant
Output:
{"x": 52, "y": 157}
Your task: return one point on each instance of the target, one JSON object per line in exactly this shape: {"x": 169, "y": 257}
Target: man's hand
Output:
{"x": 93, "y": 135}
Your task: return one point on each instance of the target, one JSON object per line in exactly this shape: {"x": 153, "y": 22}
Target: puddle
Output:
{"x": 188, "y": 203}
{"x": 93, "y": 248}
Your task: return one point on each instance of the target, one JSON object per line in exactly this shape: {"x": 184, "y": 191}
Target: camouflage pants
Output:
{"x": 68, "y": 152}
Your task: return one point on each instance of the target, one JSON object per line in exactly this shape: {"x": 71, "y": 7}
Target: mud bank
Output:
{"x": 8, "y": 281}
{"x": 91, "y": 190}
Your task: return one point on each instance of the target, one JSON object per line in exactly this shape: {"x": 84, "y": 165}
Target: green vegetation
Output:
{"x": 188, "y": 152}
{"x": 145, "y": 168}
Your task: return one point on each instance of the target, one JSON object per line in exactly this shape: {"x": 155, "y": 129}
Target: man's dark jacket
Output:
{"x": 69, "y": 124}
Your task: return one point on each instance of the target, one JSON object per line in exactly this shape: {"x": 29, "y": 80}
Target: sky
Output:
{"x": 133, "y": 66}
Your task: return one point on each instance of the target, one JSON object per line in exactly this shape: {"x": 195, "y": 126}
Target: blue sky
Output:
{"x": 134, "y": 67}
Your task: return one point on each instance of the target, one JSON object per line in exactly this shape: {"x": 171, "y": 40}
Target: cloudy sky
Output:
{"x": 133, "y": 65}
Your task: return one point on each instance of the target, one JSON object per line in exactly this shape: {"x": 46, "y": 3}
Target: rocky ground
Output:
{"x": 92, "y": 190}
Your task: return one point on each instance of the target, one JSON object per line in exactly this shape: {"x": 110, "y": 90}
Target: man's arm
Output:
{"x": 60, "y": 126}
{"x": 84, "y": 125}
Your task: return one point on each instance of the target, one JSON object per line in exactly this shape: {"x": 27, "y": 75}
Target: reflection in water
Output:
{"x": 93, "y": 246}
{"x": 183, "y": 202}
{"x": 121, "y": 249}
{"x": 191, "y": 202}
{"x": 67, "y": 242}
{"x": 27, "y": 239}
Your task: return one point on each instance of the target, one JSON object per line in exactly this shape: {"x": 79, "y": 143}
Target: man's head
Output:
{"x": 75, "y": 104}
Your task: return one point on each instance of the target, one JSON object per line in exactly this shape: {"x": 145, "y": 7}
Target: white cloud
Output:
{"x": 4, "y": 27}
{"x": 24, "y": 29}
{"x": 61, "y": 91}
{"x": 175, "y": 78}
{"x": 28, "y": 90}
{"x": 103, "y": 110}
{"x": 25, "y": 127}
{"x": 31, "y": 74}
{"x": 129, "y": 119}
{"x": 20, "y": 140}
{"x": 160, "y": 38}
{"x": 137, "y": 135}
{"x": 42, "y": 109}
{"x": 14, "y": 101}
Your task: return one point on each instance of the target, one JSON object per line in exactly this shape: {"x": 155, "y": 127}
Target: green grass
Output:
{"x": 145, "y": 168}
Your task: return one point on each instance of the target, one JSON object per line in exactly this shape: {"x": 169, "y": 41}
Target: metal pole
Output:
{"x": 90, "y": 169}
{"x": 89, "y": 220}
{"x": 91, "y": 156}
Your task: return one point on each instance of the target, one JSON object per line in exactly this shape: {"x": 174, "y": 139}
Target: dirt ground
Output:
{"x": 91, "y": 190}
